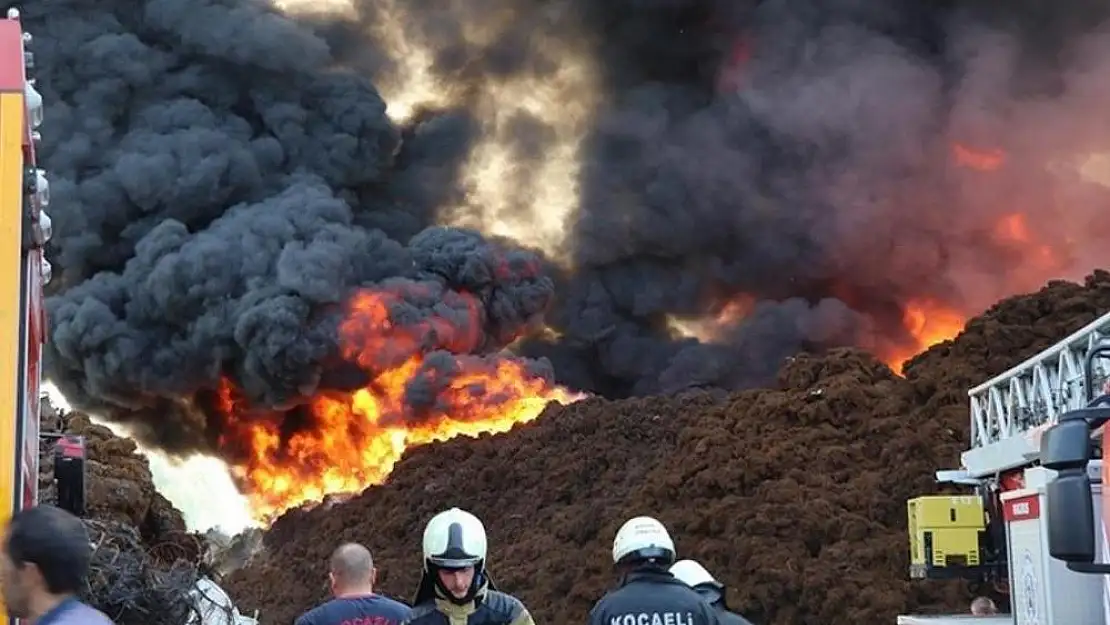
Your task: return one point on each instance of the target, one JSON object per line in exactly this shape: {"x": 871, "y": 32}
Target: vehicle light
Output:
{"x": 46, "y": 225}
{"x": 42, "y": 188}
{"x": 34, "y": 104}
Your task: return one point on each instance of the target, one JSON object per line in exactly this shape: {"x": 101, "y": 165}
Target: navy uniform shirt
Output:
{"x": 364, "y": 610}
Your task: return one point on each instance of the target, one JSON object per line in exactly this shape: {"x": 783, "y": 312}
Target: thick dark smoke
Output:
{"x": 824, "y": 184}
{"x": 219, "y": 193}
{"x": 800, "y": 151}
{"x": 224, "y": 178}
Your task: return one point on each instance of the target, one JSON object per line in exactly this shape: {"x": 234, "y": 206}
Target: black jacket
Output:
{"x": 715, "y": 594}
{"x": 652, "y": 596}
{"x": 490, "y": 607}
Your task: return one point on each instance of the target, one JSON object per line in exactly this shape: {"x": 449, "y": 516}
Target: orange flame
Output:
{"x": 1013, "y": 229}
{"x": 929, "y": 323}
{"x": 979, "y": 159}
{"x": 734, "y": 310}
{"x": 720, "y": 317}
{"x": 355, "y": 439}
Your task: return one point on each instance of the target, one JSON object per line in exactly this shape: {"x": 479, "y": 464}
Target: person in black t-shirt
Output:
{"x": 352, "y": 575}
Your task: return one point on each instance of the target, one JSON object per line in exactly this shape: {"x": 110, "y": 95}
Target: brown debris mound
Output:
{"x": 795, "y": 496}
{"x": 118, "y": 482}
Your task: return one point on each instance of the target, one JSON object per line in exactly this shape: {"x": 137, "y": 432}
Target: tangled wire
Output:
{"x": 136, "y": 585}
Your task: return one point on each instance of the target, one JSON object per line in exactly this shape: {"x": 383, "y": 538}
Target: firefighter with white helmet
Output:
{"x": 694, "y": 575}
{"x": 455, "y": 587}
{"x": 648, "y": 594}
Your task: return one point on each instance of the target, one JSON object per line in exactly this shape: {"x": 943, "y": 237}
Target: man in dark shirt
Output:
{"x": 352, "y": 575}
{"x": 44, "y": 564}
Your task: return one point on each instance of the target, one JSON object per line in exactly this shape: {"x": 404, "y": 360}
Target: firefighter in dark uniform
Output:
{"x": 695, "y": 576}
{"x": 647, "y": 593}
{"x": 455, "y": 588}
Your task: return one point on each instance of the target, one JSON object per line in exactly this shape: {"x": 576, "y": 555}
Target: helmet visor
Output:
{"x": 454, "y": 561}
{"x": 661, "y": 555}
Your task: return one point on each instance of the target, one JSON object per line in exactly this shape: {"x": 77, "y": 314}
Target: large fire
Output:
{"x": 345, "y": 441}
{"x": 352, "y": 440}
{"x": 930, "y": 322}
{"x": 926, "y": 321}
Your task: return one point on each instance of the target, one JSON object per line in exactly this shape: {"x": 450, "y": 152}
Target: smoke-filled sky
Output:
{"x": 223, "y": 177}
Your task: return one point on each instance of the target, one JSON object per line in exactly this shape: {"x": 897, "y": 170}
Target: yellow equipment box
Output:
{"x": 946, "y": 535}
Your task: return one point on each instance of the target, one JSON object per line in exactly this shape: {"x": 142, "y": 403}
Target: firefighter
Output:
{"x": 695, "y": 576}
{"x": 455, "y": 587}
{"x": 647, "y": 593}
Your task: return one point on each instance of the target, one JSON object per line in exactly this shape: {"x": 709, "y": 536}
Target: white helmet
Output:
{"x": 455, "y": 539}
{"x": 693, "y": 574}
{"x": 643, "y": 538}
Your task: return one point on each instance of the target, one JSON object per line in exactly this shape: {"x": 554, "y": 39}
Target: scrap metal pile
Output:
{"x": 145, "y": 566}
{"x": 137, "y": 585}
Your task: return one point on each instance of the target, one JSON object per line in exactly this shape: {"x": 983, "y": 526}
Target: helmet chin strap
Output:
{"x": 449, "y": 596}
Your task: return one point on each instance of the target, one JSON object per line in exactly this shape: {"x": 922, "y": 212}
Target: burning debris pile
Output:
{"x": 795, "y": 496}
{"x": 258, "y": 223}
{"x": 307, "y": 245}
{"x": 411, "y": 347}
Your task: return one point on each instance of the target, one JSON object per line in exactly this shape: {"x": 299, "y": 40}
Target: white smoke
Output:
{"x": 199, "y": 486}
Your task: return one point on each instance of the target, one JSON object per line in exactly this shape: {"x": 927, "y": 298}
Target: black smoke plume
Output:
{"x": 798, "y": 151}
{"x": 824, "y": 183}
{"x": 224, "y": 177}
{"x": 220, "y": 191}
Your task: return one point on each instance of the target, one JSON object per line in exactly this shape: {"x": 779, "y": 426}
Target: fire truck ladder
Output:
{"x": 1009, "y": 412}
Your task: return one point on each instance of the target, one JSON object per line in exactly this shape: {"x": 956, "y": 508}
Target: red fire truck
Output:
{"x": 24, "y": 230}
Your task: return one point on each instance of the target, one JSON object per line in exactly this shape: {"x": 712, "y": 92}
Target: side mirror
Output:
{"x": 1071, "y": 523}
{"x": 1066, "y": 448}
{"x": 1066, "y": 445}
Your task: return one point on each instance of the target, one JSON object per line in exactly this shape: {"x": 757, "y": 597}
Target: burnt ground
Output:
{"x": 794, "y": 496}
